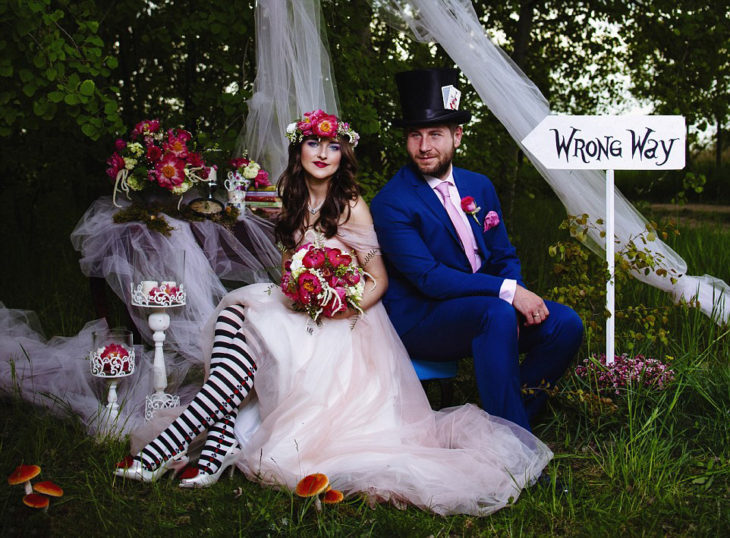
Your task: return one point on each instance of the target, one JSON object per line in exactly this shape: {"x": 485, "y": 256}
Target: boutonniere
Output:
{"x": 491, "y": 220}
{"x": 468, "y": 205}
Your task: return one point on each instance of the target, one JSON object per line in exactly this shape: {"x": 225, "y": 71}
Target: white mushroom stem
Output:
{"x": 317, "y": 503}
{"x": 28, "y": 487}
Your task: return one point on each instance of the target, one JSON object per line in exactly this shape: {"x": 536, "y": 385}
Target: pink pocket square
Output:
{"x": 491, "y": 220}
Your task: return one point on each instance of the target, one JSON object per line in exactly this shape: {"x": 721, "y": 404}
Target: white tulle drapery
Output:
{"x": 293, "y": 76}
{"x": 520, "y": 106}
{"x": 55, "y": 373}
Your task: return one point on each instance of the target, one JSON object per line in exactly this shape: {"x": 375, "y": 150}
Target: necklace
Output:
{"x": 313, "y": 210}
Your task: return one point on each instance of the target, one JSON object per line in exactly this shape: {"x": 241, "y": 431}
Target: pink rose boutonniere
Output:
{"x": 468, "y": 205}
{"x": 491, "y": 220}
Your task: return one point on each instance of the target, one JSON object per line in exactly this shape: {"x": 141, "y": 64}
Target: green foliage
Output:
{"x": 581, "y": 284}
{"x": 54, "y": 63}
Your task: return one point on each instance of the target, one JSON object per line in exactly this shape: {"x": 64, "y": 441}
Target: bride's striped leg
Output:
{"x": 220, "y": 442}
{"x": 231, "y": 378}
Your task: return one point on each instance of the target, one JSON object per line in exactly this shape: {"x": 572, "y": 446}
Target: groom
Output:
{"x": 455, "y": 288}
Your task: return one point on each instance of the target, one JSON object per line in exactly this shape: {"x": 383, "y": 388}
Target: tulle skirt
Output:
{"x": 345, "y": 401}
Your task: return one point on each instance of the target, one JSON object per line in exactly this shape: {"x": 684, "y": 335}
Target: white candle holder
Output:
{"x": 158, "y": 287}
{"x": 112, "y": 358}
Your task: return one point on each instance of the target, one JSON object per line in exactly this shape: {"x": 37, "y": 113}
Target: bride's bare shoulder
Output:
{"x": 360, "y": 212}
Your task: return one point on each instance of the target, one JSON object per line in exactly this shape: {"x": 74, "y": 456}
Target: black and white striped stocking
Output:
{"x": 231, "y": 378}
{"x": 221, "y": 438}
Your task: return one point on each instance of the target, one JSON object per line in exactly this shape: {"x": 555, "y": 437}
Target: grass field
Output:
{"x": 657, "y": 465}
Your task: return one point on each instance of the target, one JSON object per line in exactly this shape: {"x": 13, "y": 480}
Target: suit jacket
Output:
{"x": 423, "y": 255}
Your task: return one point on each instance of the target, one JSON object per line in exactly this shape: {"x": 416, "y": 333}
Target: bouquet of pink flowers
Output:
{"x": 323, "y": 281}
{"x": 156, "y": 157}
{"x": 624, "y": 371}
{"x": 251, "y": 170}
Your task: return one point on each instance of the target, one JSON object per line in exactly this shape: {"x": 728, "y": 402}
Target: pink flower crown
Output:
{"x": 319, "y": 123}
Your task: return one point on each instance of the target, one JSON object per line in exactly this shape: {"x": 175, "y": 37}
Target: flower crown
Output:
{"x": 319, "y": 123}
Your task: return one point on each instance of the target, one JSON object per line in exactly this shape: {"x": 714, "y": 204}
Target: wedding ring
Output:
{"x": 536, "y": 315}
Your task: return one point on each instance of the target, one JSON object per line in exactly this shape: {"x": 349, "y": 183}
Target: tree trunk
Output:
{"x": 519, "y": 55}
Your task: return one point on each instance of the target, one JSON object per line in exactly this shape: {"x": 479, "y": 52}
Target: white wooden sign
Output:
{"x": 609, "y": 143}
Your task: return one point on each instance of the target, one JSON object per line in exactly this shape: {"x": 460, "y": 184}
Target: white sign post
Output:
{"x": 609, "y": 143}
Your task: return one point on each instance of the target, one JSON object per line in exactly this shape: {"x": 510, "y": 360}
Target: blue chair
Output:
{"x": 441, "y": 371}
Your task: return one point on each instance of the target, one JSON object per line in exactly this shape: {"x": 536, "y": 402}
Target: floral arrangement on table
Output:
{"x": 157, "y": 157}
{"x": 250, "y": 170}
{"x": 624, "y": 371}
{"x": 323, "y": 281}
{"x": 319, "y": 123}
{"x": 112, "y": 360}
{"x": 152, "y": 293}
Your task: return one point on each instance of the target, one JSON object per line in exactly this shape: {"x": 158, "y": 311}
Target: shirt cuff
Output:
{"x": 507, "y": 290}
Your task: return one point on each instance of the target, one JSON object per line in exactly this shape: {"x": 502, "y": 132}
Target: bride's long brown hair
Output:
{"x": 343, "y": 189}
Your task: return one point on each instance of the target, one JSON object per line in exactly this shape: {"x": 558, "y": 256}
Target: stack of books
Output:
{"x": 263, "y": 197}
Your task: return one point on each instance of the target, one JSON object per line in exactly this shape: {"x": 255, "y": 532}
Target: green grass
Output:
{"x": 657, "y": 466}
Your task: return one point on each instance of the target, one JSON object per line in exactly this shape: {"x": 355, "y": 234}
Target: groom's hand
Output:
{"x": 530, "y": 305}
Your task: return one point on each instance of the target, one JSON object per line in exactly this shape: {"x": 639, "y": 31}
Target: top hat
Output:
{"x": 429, "y": 97}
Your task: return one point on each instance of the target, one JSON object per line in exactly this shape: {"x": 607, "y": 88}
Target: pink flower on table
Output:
{"x": 176, "y": 144}
{"x": 153, "y": 153}
{"x": 309, "y": 287}
{"x": 314, "y": 258}
{"x": 170, "y": 171}
{"x": 491, "y": 220}
{"x": 240, "y": 162}
{"x": 261, "y": 179}
{"x": 114, "y": 349}
{"x": 116, "y": 163}
{"x": 120, "y": 144}
{"x": 145, "y": 128}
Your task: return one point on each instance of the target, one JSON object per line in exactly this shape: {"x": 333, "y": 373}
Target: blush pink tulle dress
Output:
{"x": 346, "y": 402}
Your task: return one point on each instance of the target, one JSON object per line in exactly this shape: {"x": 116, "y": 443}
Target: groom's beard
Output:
{"x": 440, "y": 167}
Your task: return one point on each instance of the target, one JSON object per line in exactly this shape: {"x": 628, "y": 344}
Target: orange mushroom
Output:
{"x": 36, "y": 501}
{"x": 23, "y": 474}
{"x": 332, "y": 496}
{"x": 311, "y": 486}
{"x": 48, "y": 488}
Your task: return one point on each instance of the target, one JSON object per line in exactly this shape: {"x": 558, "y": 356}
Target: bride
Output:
{"x": 340, "y": 397}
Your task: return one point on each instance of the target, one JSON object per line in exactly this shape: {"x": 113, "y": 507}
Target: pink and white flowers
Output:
{"x": 155, "y": 157}
{"x": 323, "y": 281}
{"x": 624, "y": 371}
{"x": 319, "y": 123}
{"x": 252, "y": 171}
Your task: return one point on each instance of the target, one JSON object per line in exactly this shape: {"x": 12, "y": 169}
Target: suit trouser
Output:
{"x": 487, "y": 329}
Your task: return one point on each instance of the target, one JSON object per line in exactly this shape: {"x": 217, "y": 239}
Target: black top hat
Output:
{"x": 422, "y": 98}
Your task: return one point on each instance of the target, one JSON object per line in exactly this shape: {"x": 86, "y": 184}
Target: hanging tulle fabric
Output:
{"x": 293, "y": 76}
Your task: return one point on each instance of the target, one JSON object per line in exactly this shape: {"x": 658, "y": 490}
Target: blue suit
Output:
{"x": 443, "y": 311}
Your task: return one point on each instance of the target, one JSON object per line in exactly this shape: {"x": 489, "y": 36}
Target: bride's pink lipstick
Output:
{"x": 320, "y": 164}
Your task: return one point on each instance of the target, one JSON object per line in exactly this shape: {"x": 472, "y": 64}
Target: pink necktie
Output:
{"x": 462, "y": 230}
